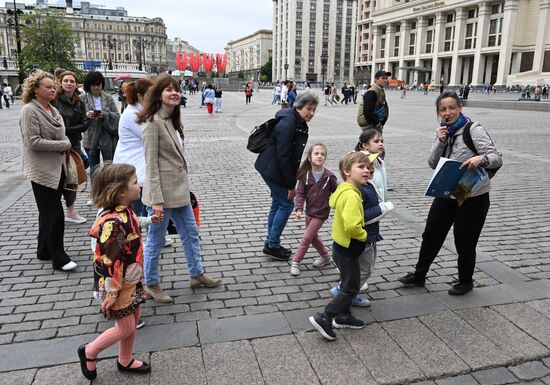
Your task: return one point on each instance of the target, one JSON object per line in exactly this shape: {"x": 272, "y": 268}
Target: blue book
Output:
{"x": 450, "y": 181}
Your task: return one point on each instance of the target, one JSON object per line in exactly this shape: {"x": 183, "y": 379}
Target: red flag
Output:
{"x": 207, "y": 62}
{"x": 183, "y": 61}
{"x": 221, "y": 62}
{"x": 178, "y": 63}
{"x": 195, "y": 61}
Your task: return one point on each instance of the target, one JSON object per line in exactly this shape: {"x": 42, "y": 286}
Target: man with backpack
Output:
{"x": 327, "y": 91}
{"x": 374, "y": 111}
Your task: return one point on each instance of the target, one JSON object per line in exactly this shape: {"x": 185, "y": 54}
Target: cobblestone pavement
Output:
{"x": 254, "y": 328}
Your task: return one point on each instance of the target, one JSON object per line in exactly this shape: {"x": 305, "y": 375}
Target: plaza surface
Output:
{"x": 254, "y": 328}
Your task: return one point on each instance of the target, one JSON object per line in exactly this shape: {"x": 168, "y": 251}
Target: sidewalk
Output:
{"x": 254, "y": 328}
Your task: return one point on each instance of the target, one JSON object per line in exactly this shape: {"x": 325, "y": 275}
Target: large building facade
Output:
{"x": 248, "y": 54}
{"x": 105, "y": 35}
{"x": 314, "y": 40}
{"x": 454, "y": 42}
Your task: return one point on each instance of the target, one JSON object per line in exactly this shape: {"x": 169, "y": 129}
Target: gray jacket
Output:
{"x": 460, "y": 151}
{"x": 101, "y": 132}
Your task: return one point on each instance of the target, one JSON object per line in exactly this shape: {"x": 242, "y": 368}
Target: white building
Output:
{"x": 314, "y": 40}
{"x": 249, "y": 53}
{"x": 501, "y": 42}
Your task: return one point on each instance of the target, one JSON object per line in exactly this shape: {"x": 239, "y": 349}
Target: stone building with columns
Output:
{"x": 314, "y": 40}
{"x": 248, "y": 54}
{"x": 454, "y": 42}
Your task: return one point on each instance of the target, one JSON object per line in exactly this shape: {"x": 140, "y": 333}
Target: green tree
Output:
{"x": 240, "y": 75}
{"x": 49, "y": 42}
{"x": 266, "y": 70}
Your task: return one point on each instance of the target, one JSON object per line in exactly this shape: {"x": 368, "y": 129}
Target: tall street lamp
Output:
{"x": 286, "y": 71}
{"x": 138, "y": 45}
{"x": 13, "y": 22}
{"x": 324, "y": 60}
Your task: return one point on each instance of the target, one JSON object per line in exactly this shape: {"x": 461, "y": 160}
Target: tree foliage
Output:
{"x": 49, "y": 42}
{"x": 266, "y": 70}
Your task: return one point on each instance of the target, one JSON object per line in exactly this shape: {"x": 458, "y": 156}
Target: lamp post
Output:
{"x": 286, "y": 71}
{"x": 13, "y": 22}
{"x": 324, "y": 60}
{"x": 138, "y": 46}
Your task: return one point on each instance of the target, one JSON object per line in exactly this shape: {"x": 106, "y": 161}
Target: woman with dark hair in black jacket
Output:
{"x": 73, "y": 112}
{"x": 278, "y": 165}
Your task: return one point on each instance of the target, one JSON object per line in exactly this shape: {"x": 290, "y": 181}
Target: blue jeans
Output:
{"x": 281, "y": 208}
{"x": 189, "y": 234}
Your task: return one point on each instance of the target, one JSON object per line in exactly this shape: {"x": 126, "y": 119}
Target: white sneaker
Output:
{"x": 295, "y": 269}
{"x": 321, "y": 261}
{"x": 90, "y": 203}
{"x": 168, "y": 241}
{"x": 75, "y": 218}
{"x": 364, "y": 287}
{"x": 69, "y": 266}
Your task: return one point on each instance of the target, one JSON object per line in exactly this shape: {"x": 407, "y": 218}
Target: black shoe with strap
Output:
{"x": 412, "y": 279}
{"x": 279, "y": 253}
{"x": 461, "y": 288}
{"x": 143, "y": 369}
{"x": 89, "y": 374}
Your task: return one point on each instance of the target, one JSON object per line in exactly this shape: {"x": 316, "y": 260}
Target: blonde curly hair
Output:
{"x": 31, "y": 83}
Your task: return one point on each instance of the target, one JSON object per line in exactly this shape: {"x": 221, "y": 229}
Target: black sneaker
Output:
{"x": 347, "y": 321}
{"x": 412, "y": 280}
{"x": 323, "y": 326}
{"x": 461, "y": 288}
{"x": 140, "y": 323}
{"x": 279, "y": 253}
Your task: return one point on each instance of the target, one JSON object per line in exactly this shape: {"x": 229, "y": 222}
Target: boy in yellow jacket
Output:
{"x": 349, "y": 238}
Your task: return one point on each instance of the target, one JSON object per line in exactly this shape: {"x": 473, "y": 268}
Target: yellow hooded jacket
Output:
{"x": 348, "y": 215}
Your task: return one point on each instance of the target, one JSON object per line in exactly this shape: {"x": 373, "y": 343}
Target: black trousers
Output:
{"x": 350, "y": 282}
{"x": 51, "y": 224}
{"x": 468, "y": 221}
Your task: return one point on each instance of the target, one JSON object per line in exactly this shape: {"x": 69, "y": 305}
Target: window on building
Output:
{"x": 472, "y": 13}
{"x": 396, "y": 46}
{"x": 449, "y": 39}
{"x": 382, "y": 47}
{"x": 429, "y": 41}
{"x": 412, "y": 41}
{"x": 495, "y": 32}
{"x": 470, "y": 36}
{"x": 413, "y": 25}
{"x": 398, "y": 28}
{"x": 383, "y": 31}
{"x": 496, "y": 9}
{"x": 526, "y": 61}
{"x": 431, "y": 21}
{"x": 450, "y": 17}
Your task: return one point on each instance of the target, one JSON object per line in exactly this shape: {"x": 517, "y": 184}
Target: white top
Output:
{"x": 130, "y": 145}
{"x": 97, "y": 102}
{"x": 8, "y": 91}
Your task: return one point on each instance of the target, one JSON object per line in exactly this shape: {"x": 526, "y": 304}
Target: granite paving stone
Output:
{"x": 385, "y": 360}
{"x": 530, "y": 370}
{"x": 465, "y": 379}
{"x": 508, "y": 337}
{"x": 426, "y": 350}
{"x": 230, "y": 363}
{"x": 335, "y": 362}
{"x": 183, "y": 366}
{"x": 470, "y": 345}
{"x": 282, "y": 361}
{"x": 496, "y": 376}
{"x": 528, "y": 319}
{"x": 19, "y": 377}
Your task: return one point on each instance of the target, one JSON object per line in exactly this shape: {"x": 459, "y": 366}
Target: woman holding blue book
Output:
{"x": 460, "y": 139}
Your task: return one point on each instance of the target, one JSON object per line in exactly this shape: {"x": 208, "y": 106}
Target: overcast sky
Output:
{"x": 206, "y": 24}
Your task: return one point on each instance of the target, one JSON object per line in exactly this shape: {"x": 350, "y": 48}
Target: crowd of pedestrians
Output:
{"x": 139, "y": 177}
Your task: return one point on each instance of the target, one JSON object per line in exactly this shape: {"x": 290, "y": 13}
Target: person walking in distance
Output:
{"x": 375, "y": 107}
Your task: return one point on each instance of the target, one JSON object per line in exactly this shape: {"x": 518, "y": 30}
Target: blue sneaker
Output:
{"x": 357, "y": 300}
{"x": 360, "y": 302}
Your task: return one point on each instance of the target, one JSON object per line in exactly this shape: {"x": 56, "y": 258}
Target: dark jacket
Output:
{"x": 279, "y": 162}
{"x": 372, "y": 210}
{"x": 373, "y": 99}
{"x": 315, "y": 194}
{"x": 74, "y": 117}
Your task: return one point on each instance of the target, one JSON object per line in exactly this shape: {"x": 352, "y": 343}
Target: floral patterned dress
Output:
{"x": 118, "y": 260}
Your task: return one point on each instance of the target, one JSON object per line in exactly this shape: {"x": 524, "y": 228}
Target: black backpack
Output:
{"x": 258, "y": 140}
{"x": 467, "y": 137}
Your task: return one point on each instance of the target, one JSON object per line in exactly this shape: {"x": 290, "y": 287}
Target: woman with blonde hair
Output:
{"x": 45, "y": 146}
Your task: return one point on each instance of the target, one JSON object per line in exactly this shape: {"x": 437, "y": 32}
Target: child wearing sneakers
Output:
{"x": 315, "y": 184}
{"x": 349, "y": 238}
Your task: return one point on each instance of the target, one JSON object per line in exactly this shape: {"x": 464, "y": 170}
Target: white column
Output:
{"x": 275, "y": 45}
{"x": 436, "y": 62}
{"x": 353, "y": 37}
{"x": 508, "y": 32}
{"x": 389, "y": 44}
{"x": 375, "y": 50}
{"x": 403, "y": 47}
{"x": 481, "y": 38}
{"x": 421, "y": 26}
{"x": 456, "y": 61}
{"x": 544, "y": 10}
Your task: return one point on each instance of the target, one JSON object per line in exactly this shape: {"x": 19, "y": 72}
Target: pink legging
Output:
{"x": 310, "y": 237}
{"x": 124, "y": 332}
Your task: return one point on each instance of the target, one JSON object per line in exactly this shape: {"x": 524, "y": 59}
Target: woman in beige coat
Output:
{"x": 44, "y": 150}
{"x": 166, "y": 189}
